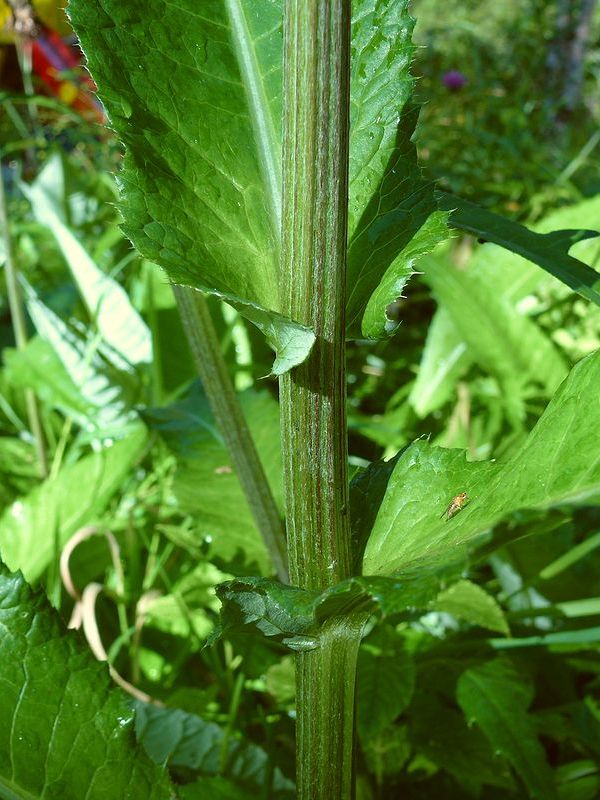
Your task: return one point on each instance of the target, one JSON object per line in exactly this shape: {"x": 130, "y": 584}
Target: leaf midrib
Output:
{"x": 258, "y": 105}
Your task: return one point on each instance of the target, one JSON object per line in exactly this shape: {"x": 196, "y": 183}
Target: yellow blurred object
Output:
{"x": 51, "y": 13}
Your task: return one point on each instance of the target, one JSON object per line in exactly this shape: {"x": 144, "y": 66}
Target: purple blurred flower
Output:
{"x": 454, "y": 80}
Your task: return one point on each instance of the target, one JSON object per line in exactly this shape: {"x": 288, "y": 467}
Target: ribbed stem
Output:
{"x": 315, "y": 191}
{"x": 325, "y": 692}
{"x": 17, "y": 313}
{"x": 313, "y": 395}
{"x": 206, "y": 352}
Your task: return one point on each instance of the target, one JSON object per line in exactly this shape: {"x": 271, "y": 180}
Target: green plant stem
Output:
{"x": 17, "y": 313}
{"x": 313, "y": 395}
{"x": 205, "y": 348}
{"x": 234, "y": 706}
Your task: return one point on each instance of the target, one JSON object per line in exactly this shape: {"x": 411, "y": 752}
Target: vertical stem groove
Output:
{"x": 313, "y": 395}
{"x": 212, "y": 369}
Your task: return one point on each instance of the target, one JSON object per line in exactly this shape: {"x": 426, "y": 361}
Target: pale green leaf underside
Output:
{"x": 118, "y": 322}
{"x": 559, "y": 463}
{"x": 34, "y": 528}
{"x": 494, "y": 696}
{"x": 445, "y": 357}
{"x": 194, "y": 93}
{"x": 66, "y": 733}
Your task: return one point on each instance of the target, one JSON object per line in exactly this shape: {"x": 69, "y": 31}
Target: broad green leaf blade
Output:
{"x": 549, "y": 250}
{"x": 393, "y": 215}
{"x": 205, "y": 484}
{"x": 557, "y": 464}
{"x": 445, "y": 357}
{"x": 34, "y": 528}
{"x": 441, "y": 733}
{"x": 184, "y": 740}
{"x": 66, "y": 732}
{"x": 107, "y": 302}
{"x": 196, "y": 99}
{"x": 469, "y": 602}
{"x": 494, "y": 696}
{"x": 385, "y": 685}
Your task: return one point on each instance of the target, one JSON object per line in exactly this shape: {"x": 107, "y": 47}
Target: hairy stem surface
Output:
{"x": 313, "y": 395}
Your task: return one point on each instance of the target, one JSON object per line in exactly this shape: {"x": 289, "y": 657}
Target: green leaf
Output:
{"x": 367, "y": 490}
{"x": 387, "y": 751}
{"x": 385, "y": 684}
{"x": 184, "y": 740}
{"x": 469, "y": 602}
{"x": 445, "y": 357}
{"x": 205, "y": 484}
{"x": 557, "y": 464}
{"x": 37, "y": 367}
{"x": 34, "y": 528}
{"x": 66, "y": 732}
{"x": 494, "y": 696}
{"x": 207, "y": 210}
{"x": 393, "y": 216}
{"x": 549, "y": 250}
{"x": 213, "y": 788}
{"x": 107, "y": 390}
{"x": 294, "y": 616}
{"x": 280, "y": 680}
{"x": 501, "y": 340}
{"x": 578, "y": 780}
{"x": 107, "y": 302}
{"x": 441, "y": 733}
{"x": 196, "y": 100}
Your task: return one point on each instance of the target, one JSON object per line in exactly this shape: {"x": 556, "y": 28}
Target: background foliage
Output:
{"x": 492, "y": 689}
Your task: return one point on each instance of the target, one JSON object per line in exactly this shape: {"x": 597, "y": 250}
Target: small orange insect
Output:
{"x": 458, "y": 503}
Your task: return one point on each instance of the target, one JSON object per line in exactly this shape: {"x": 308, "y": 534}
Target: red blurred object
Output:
{"x": 55, "y": 64}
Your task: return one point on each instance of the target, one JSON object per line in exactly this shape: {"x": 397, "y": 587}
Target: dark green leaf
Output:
{"x": 206, "y": 486}
{"x": 66, "y": 732}
{"x": 494, "y": 696}
{"x": 213, "y": 788}
{"x": 393, "y": 215}
{"x": 185, "y": 740}
{"x": 387, "y": 751}
{"x": 441, "y": 733}
{"x": 385, "y": 684}
{"x": 549, "y": 250}
{"x": 295, "y": 616}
